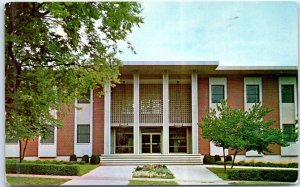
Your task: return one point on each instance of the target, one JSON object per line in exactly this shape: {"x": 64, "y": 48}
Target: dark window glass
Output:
{"x": 217, "y": 93}
{"x": 83, "y": 133}
{"x": 287, "y": 93}
{"x": 252, "y": 93}
{"x": 289, "y": 132}
{"x": 85, "y": 98}
{"x": 177, "y": 140}
{"x": 49, "y": 138}
{"x": 11, "y": 140}
{"x": 124, "y": 140}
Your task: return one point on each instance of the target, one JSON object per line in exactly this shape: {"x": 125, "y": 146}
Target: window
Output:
{"x": 177, "y": 140}
{"x": 287, "y": 93}
{"x": 83, "y": 133}
{"x": 85, "y": 98}
{"x": 49, "y": 138}
{"x": 217, "y": 93}
{"x": 289, "y": 132}
{"x": 252, "y": 93}
{"x": 11, "y": 140}
{"x": 124, "y": 140}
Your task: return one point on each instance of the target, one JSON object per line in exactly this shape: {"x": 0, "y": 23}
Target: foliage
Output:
{"x": 153, "y": 171}
{"x": 263, "y": 175}
{"x": 73, "y": 158}
{"x": 228, "y": 158}
{"x": 152, "y": 183}
{"x": 217, "y": 158}
{"x": 54, "y": 53}
{"x": 95, "y": 159}
{"x": 42, "y": 169}
{"x": 208, "y": 159}
{"x": 33, "y": 181}
{"x": 241, "y": 130}
{"x": 85, "y": 158}
{"x": 268, "y": 164}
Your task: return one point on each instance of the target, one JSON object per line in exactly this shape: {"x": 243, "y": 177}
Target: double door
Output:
{"x": 151, "y": 143}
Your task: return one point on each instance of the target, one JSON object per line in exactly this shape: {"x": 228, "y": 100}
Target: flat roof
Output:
{"x": 257, "y": 68}
{"x": 171, "y": 63}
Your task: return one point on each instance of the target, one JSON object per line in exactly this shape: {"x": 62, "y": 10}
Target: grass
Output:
{"x": 259, "y": 183}
{"x": 219, "y": 172}
{"x": 30, "y": 181}
{"x": 83, "y": 169}
{"x": 154, "y": 183}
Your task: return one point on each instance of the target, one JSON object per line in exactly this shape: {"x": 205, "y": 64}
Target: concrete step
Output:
{"x": 142, "y": 159}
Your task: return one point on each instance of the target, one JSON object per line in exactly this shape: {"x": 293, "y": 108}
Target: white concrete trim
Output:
{"x": 107, "y": 111}
{"x": 290, "y": 150}
{"x": 194, "y": 113}
{"x": 257, "y": 68}
{"x": 247, "y": 106}
{"x": 136, "y": 108}
{"x": 75, "y": 125}
{"x": 165, "y": 137}
{"x": 170, "y": 63}
{"x": 91, "y": 119}
{"x": 214, "y": 150}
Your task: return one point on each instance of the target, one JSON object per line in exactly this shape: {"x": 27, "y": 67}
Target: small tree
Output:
{"x": 220, "y": 128}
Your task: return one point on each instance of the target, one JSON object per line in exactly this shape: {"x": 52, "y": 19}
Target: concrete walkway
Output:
{"x": 195, "y": 175}
{"x": 105, "y": 175}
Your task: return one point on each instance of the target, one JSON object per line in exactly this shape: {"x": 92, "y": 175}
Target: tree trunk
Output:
{"x": 22, "y": 154}
{"x": 234, "y": 158}
{"x": 20, "y": 151}
{"x": 224, "y": 159}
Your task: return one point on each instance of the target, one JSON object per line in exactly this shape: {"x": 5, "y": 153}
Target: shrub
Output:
{"x": 85, "y": 158}
{"x": 82, "y": 162}
{"x": 73, "y": 158}
{"x": 42, "y": 169}
{"x": 208, "y": 159}
{"x": 228, "y": 158}
{"x": 95, "y": 159}
{"x": 220, "y": 163}
{"x": 217, "y": 158}
{"x": 263, "y": 175}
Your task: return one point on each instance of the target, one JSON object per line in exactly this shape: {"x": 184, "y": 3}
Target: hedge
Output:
{"x": 263, "y": 175}
{"x": 42, "y": 169}
{"x": 268, "y": 164}
{"x": 208, "y": 159}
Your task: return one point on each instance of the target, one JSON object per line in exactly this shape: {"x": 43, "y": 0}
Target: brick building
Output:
{"x": 153, "y": 114}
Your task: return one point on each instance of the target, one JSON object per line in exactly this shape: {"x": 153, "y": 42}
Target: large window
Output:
{"x": 83, "y": 133}
{"x": 217, "y": 93}
{"x": 11, "y": 140}
{"x": 49, "y": 139}
{"x": 252, "y": 92}
{"x": 124, "y": 140}
{"x": 177, "y": 140}
{"x": 287, "y": 93}
{"x": 289, "y": 132}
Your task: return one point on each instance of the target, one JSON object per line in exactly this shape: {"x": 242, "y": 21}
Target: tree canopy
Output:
{"x": 55, "y": 52}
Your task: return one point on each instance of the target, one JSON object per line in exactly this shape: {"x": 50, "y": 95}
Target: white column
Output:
{"x": 107, "y": 110}
{"x": 194, "y": 113}
{"x": 136, "y": 107}
{"x": 165, "y": 112}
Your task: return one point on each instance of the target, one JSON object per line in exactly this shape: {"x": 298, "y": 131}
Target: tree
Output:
{"x": 241, "y": 130}
{"x": 220, "y": 128}
{"x": 54, "y": 53}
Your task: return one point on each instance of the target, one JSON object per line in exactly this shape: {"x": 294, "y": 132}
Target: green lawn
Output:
{"x": 154, "y": 183}
{"x": 219, "y": 172}
{"x": 86, "y": 168}
{"x": 30, "y": 181}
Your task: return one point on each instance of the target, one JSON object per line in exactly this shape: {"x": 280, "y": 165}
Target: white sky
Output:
{"x": 233, "y": 33}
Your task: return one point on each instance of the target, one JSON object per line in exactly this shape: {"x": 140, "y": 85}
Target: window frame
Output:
{"x": 88, "y": 134}
{"x": 257, "y": 94}
{"x": 291, "y": 133}
{"x": 84, "y": 100}
{"x": 212, "y": 94}
{"x": 292, "y": 94}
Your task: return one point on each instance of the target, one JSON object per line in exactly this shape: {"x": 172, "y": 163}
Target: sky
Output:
{"x": 233, "y": 33}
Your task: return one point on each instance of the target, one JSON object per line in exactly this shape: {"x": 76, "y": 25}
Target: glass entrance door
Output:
{"x": 151, "y": 143}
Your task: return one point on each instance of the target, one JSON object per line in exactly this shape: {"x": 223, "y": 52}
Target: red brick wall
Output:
{"x": 98, "y": 126}
{"x": 32, "y": 147}
{"x": 235, "y": 96}
{"x": 65, "y": 135}
{"x": 203, "y": 107}
{"x": 270, "y": 98}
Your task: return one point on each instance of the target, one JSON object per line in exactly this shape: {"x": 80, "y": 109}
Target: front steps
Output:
{"x": 142, "y": 159}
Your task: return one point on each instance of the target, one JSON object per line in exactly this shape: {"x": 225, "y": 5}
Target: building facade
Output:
{"x": 155, "y": 110}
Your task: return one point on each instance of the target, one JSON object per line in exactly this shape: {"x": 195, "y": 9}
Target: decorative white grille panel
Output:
{"x": 151, "y": 103}
{"x": 122, "y": 104}
{"x": 180, "y": 103}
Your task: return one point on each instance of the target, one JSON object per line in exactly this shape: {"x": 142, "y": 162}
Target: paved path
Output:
{"x": 105, "y": 175}
{"x": 195, "y": 175}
